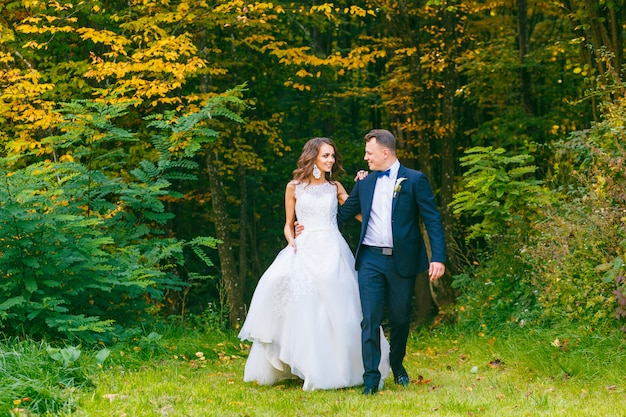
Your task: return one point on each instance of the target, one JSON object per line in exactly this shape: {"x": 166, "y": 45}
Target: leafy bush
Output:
{"x": 578, "y": 250}
{"x": 500, "y": 192}
{"x": 550, "y": 256}
{"x": 503, "y": 198}
{"x": 569, "y": 254}
{"x": 81, "y": 242}
{"x": 496, "y": 292}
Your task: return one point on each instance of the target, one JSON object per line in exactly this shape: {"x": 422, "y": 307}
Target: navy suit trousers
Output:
{"x": 380, "y": 287}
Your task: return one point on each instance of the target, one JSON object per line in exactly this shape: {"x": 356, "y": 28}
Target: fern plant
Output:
{"x": 499, "y": 191}
{"x": 503, "y": 199}
{"x": 82, "y": 247}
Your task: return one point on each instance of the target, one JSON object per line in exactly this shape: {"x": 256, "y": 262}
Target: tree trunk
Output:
{"x": 230, "y": 278}
{"x": 523, "y": 43}
{"x": 442, "y": 291}
{"x": 243, "y": 231}
{"x": 601, "y": 31}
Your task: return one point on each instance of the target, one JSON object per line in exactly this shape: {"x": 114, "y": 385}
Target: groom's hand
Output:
{"x": 298, "y": 228}
{"x": 436, "y": 270}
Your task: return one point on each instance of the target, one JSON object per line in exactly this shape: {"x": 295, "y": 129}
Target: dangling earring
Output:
{"x": 316, "y": 172}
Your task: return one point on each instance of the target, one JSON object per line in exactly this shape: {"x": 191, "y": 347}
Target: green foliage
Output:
{"x": 570, "y": 253}
{"x": 187, "y": 134}
{"x": 81, "y": 245}
{"x": 578, "y": 249}
{"x": 504, "y": 200}
{"x": 66, "y": 356}
{"x": 499, "y": 191}
{"x": 40, "y": 378}
{"x": 566, "y": 262}
{"x": 68, "y": 259}
{"x": 213, "y": 318}
{"x": 496, "y": 293}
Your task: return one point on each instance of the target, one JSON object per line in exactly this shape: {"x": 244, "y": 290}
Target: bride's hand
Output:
{"x": 360, "y": 175}
{"x": 292, "y": 243}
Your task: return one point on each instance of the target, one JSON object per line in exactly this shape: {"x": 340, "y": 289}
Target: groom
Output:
{"x": 391, "y": 250}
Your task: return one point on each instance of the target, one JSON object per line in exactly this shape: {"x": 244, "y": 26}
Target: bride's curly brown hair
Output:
{"x": 308, "y": 157}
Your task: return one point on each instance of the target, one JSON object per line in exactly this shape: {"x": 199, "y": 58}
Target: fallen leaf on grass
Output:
{"x": 611, "y": 387}
{"x": 421, "y": 380}
{"x": 561, "y": 344}
{"x": 496, "y": 363}
{"x": 112, "y": 397}
{"x": 21, "y": 412}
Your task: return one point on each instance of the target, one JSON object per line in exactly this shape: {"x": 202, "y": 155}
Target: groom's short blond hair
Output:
{"x": 383, "y": 137}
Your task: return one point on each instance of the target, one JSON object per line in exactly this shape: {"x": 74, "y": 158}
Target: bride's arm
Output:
{"x": 290, "y": 214}
{"x": 342, "y": 196}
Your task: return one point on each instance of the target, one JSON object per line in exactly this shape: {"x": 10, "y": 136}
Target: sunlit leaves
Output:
{"x": 115, "y": 42}
{"x": 500, "y": 191}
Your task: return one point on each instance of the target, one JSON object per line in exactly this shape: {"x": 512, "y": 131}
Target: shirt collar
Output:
{"x": 393, "y": 170}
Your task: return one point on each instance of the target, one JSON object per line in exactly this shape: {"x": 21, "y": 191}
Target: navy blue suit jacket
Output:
{"x": 415, "y": 200}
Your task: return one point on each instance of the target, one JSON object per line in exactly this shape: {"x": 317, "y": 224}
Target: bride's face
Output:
{"x": 325, "y": 158}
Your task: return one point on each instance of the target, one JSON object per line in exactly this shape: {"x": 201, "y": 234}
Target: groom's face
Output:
{"x": 376, "y": 155}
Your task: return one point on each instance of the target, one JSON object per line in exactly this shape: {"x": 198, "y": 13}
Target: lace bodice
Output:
{"x": 316, "y": 206}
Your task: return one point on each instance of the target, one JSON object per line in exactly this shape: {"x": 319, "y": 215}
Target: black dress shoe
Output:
{"x": 370, "y": 390}
{"x": 401, "y": 379}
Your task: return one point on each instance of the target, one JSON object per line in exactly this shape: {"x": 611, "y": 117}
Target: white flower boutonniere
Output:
{"x": 398, "y": 186}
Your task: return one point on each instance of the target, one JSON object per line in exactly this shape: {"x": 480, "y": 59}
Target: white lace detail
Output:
{"x": 291, "y": 288}
{"x": 284, "y": 289}
{"x": 316, "y": 209}
{"x": 316, "y": 206}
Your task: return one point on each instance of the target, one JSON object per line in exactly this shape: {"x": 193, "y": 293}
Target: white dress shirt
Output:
{"x": 378, "y": 231}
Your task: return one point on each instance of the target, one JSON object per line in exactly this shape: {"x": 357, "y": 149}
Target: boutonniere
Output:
{"x": 398, "y": 186}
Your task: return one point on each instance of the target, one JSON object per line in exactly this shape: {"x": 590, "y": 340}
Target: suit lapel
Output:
{"x": 401, "y": 174}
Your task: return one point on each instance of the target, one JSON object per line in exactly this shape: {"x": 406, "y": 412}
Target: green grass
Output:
{"x": 31, "y": 380}
{"x": 517, "y": 374}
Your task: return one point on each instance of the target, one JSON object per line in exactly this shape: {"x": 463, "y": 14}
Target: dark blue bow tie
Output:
{"x": 384, "y": 173}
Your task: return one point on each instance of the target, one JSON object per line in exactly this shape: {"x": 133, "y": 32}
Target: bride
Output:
{"x": 305, "y": 314}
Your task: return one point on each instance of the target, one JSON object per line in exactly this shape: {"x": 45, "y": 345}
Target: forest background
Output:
{"x": 146, "y": 146}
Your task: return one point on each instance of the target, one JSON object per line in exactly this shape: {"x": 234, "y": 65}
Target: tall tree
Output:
{"x": 598, "y": 26}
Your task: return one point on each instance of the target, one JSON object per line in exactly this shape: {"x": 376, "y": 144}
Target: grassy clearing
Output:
{"x": 33, "y": 381}
{"x": 519, "y": 374}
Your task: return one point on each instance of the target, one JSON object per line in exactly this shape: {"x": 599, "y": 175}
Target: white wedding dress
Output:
{"x": 305, "y": 316}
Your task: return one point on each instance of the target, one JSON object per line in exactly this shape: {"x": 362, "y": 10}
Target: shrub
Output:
{"x": 81, "y": 240}
{"x": 503, "y": 198}
{"x": 578, "y": 250}
{"x": 564, "y": 261}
